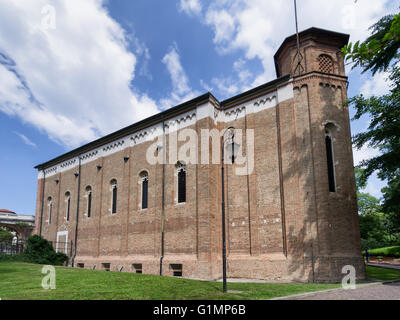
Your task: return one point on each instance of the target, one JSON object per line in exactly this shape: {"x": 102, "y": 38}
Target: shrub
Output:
{"x": 12, "y": 258}
{"x": 385, "y": 252}
{"x": 41, "y": 251}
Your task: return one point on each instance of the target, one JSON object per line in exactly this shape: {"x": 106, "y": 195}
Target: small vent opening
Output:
{"x": 176, "y": 269}
{"x": 137, "y": 267}
{"x": 106, "y": 266}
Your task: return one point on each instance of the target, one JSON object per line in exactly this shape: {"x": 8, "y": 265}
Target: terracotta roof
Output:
{"x": 6, "y": 211}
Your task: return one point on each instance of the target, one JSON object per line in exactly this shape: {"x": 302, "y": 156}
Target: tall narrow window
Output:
{"x": 114, "y": 192}
{"x": 330, "y": 160}
{"x": 67, "y": 205}
{"x": 145, "y": 189}
{"x": 89, "y": 201}
{"x": 181, "y": 183}
{"x": 49, "y": 208}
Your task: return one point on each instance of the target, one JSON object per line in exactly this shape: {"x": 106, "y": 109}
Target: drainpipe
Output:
{"x": 41, "y": 210}
{"x": 77, "y": 210}
{"x": 163, "y": 198}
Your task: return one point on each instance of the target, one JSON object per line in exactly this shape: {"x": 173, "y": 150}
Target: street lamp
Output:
{"x": 234, "y": 152}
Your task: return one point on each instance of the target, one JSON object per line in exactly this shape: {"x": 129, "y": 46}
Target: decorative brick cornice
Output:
{"x": 326, "y": 79}
{"x": 265, "y": 100}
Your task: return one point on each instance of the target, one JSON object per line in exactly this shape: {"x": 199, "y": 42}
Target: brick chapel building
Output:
{"x": 293, "y": 217}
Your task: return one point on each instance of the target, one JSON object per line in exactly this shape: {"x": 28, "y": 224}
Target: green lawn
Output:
{"x": 23, "y": 281}
{"x": 383, "y": 273}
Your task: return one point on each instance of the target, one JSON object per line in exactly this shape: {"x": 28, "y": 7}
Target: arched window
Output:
{"x": 67, "y": 205}
{"x": 114, "y": 192}
{"x": 181, "y": 182}
{"x": 329, "y": 128}
{"x": 49, "y": 208}
{"x": 89, "y": 201}
{"x": 144, "y": 179}
{"x": 325, "y": 63}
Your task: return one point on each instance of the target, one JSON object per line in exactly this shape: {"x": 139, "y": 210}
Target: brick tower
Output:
{"x": 325, "y": 163}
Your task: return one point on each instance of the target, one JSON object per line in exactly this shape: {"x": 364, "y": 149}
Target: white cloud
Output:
{"x": 240, "y": 67}
{"x": 25, "y": 139}
{"x": 374, "y": 185}
{"x": 72, "y": 82}
{"x": 258, "y": 27}
{"x": 225, "y": 86}
{"x": 223, "y": 25}
{"x": 378, "y": 85}
{"x": 365, "y": 153}
{"x": 238, "y": 82}
{"x": 191, "y": 7}
{"x": 205, "y": 86}
{"x": 181, "y": 90}
{"x": 179, "y": 79}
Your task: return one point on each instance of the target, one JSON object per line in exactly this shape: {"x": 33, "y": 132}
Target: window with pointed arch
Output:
{"x": 181, "y": 175}
{"x": 67, "y": 205}
{"x": 114, "y": 193}
{"x": 330, "y": 128}
{"x": 144, "y": 182}
{"x": 49, "y": 209}
{"x": 89, "y": 201}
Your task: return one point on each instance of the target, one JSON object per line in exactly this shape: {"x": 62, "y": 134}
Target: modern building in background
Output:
{"x": 292, "y": 217}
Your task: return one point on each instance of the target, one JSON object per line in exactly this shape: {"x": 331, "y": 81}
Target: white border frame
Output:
{"x": 60, "y": 234}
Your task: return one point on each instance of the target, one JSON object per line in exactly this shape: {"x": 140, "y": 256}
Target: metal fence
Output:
{"x": 16, "y": 247}
{"x": 64, "y": 247}
{"x": 12, "y": 247}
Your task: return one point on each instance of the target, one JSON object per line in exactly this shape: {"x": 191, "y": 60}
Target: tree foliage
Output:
{"x": 5, "y": 235}
{"x": 383, "y": 131}
{"x": 380, "y": 52}
{"x": 376, "y": 227}
{"x": 377, "y": 51}
{"x": 40, "y": 250}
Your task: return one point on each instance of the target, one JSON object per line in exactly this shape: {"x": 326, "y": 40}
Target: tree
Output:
{"x": 380, "y": 52}
{"x": 366, "y": 202}
{"x": 377, "y": 51}
{"x": 5, "y": 235}
{"x": 373, "y": 227}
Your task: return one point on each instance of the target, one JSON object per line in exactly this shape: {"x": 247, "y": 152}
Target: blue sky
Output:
{"x": 72, "y": 71}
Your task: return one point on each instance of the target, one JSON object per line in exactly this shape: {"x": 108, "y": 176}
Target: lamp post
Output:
{"x": 223, "y": 202}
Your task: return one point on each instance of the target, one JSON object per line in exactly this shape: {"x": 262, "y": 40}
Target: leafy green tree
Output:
{"x": 380, "y": 52}
{"x": 374, "y": 227}
{"x": 380, "y": 49}
{"x": 5, "y": 235}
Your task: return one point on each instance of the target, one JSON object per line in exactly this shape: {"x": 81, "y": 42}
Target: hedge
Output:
{"x": 385, "y": 252}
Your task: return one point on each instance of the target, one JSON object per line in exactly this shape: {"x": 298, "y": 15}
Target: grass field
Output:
{"x": 393, "y": 251}
{"x": 383, "y": 273}
{"x": 23, "y": 281}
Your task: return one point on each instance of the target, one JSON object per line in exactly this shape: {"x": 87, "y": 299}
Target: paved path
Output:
{"x": 382, "y": 291}
{"x": 385, "y": 265}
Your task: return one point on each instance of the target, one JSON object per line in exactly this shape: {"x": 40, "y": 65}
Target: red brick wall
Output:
{"x": 282, "y": 222}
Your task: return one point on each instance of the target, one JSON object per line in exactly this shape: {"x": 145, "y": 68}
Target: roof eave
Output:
{"x": 130, "y": 129}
